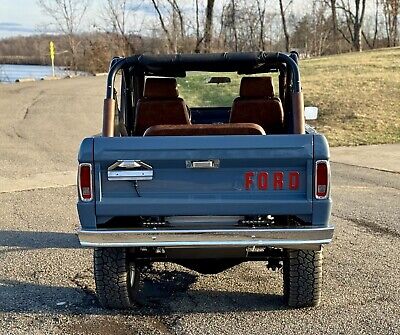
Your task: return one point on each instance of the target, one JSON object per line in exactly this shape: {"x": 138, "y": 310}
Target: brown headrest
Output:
{"x": 160, "y": 88}
{"x": 256, "y": 87}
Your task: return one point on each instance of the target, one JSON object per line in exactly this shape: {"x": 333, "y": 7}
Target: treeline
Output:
{"x": 92, "y": 54}
{"x": 313, "y": 28}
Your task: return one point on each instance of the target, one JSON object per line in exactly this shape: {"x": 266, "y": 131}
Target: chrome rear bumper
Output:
{"x": 296, "y": 238}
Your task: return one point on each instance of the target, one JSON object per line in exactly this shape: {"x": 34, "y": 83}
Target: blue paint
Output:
{"x": 177, "y": 190}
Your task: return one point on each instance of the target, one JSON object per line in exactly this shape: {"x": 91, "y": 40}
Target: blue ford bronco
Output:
{"x": 205, "y": 187}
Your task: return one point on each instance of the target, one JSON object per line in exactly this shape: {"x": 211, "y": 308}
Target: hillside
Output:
{"x": 358, "y": 95}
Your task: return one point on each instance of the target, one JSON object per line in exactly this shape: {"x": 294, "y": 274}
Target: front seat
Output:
{"x": 257, "y": 104}
{"x": 160, "y": 105}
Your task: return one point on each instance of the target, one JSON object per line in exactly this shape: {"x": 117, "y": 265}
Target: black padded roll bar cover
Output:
{"x": 217, "y": 62}
{"x": 295, "y": 56}
{"x": 192, "y": 62}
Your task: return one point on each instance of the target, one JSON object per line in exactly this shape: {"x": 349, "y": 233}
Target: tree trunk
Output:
{"x": 261, "y": 16}
{"x": 391, "y": 12}
{"x": 396, "y": 30}
{"x": 334, "y": 27}
{"x": 357, "y": 38}
{"x": 199, "y": 39}
{"x": 171, "y": 45}
{"x": 358, "y": 23}
{"x": 285, "y": 31}
{"x": 376, "y": 23}
{"x": 208, "y": 26}
{"x": 233, "y": 20}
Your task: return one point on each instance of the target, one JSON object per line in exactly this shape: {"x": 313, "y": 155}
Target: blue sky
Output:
{"x": 18, "y": 17}
{"x": 24, "y": 17}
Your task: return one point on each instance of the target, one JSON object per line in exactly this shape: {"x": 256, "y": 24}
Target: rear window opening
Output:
{"x": 234, "y": 105}
{"x": 198, "y": 90}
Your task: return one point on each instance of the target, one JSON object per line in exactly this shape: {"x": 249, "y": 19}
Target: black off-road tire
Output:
{"x": 117, "y": 279}
{"x": 302, "y": 278}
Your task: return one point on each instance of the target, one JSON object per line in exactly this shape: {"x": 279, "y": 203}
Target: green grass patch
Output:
{"x": 195, "y": 90}
{"x": 358, "y": 95}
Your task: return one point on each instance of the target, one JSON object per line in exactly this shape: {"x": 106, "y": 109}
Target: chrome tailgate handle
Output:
{"x": 207, "y": 164}
{"x": 130, "y": 170}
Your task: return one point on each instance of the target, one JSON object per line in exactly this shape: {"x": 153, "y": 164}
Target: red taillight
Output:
{"x": 322, "y": 176}
{"x": 85, "y": 182}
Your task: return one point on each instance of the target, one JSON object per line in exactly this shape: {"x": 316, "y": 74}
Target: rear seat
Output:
{"x": 160, "y": 105}
{"x": 205, "y": 129}
{"x": 258, "y": 104}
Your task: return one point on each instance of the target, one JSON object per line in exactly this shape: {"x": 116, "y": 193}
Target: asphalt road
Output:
{"x": 46, "y": 279}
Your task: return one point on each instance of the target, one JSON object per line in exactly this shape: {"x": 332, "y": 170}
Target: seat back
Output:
{"x": 160, "y": 105}
{"x": 257, "y": 104}
{"x": 205, "y": 130}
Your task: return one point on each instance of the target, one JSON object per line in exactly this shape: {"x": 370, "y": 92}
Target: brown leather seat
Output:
{"x": 160, "y": 105}
{"x": 205, "y": 129}
{"x": 257, "y": 104}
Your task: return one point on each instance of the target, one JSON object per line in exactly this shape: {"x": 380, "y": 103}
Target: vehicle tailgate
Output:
{"x": 233, "y": 186}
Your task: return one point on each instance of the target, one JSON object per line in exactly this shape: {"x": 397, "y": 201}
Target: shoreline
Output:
{"x": 17, "y": 73}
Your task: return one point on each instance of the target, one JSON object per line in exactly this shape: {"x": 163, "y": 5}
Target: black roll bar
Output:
{"x": 179, "y": 63}
{"x": 197, "y": 62}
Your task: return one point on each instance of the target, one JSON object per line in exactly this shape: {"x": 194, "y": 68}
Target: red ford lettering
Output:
{"x": 294, "y": 180}
{"x": 262, "y": 180}
{"x": 248, "y": 180}
{"x": 277, "y": 180}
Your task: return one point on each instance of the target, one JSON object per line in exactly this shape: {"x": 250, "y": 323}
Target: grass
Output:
{"x": 358, "y": 95}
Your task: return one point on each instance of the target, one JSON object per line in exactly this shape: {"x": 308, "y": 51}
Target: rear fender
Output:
{"x": 321, "y": 207}
{"x": 87, "y": 210}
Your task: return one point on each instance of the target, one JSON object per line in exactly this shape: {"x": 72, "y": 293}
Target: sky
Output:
{"x": 18, "y": 17}
{"x": 25, "y": 17}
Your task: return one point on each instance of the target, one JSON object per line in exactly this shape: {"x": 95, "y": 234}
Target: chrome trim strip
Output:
{"x": 239, "y": 237}
{"x": 207, "y": 164}
{"x": 130, "y": 170}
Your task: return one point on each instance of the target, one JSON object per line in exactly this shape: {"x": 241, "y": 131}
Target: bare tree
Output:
{"x": 171, "y": 44}
{"x": 229, "y": 25}
{"x": 67, "y": 16}
{"x": 376, "y": 23}
{"x": 208, "y": 26}
{"x": 334, "y": 26}
{"x": 284, "y": 25}
{"x": 391, "y": 13}
{"x": 176, "y": 10}
{"x": 354, "y": 19}
{"x": 261, "y": 7}
{"x": 199, "y": 38}
{"x": 116, "y": 14}
{"x": 172, "y": 21}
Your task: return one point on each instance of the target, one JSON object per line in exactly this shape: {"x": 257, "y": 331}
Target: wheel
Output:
{"x": 117, "y": 280}
{"x": 302, "y": 278}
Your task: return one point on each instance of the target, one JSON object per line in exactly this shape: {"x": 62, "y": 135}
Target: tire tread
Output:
{"x": 112, "y": 279}
{"x": 302, "y": 278}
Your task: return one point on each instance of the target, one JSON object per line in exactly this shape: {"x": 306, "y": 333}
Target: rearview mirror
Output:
{"x": 218, "y": 80}
{"x": 311, "y": 113}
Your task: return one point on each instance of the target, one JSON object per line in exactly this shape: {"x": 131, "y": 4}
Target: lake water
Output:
{"x": 9, "y": 73}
